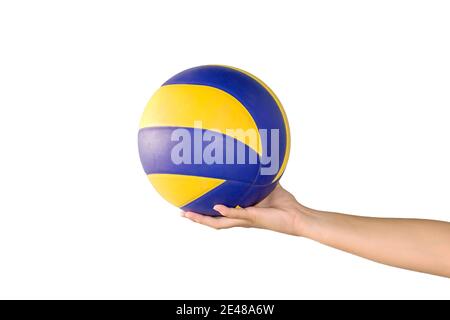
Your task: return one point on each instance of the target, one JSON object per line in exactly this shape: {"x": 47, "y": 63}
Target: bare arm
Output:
{"x": 415, "y": 244}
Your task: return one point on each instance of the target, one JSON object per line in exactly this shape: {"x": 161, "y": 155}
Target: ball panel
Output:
{"x": 256, "y": 193}
{"x": 285, "y": 119}
{"x": 228, "y": 193}
{"x": 182, "y": 189}
{"x": 182, "y": 105}
{"x": 156, "y": 146}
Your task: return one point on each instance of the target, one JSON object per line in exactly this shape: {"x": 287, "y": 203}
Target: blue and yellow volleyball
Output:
{"x": 214, "y": 104}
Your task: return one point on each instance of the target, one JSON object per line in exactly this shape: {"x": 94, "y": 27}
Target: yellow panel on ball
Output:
{"x": 182, "y": 189}
{"x": 183, "y": 105}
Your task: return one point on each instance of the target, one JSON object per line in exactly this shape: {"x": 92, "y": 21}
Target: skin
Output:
{"x": 414, "y": 244}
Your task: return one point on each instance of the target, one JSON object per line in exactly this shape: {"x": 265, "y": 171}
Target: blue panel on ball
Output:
{"x": 228, "y": 193}
{"x": 157, "y": 145}
{"x": 257, "y": 193}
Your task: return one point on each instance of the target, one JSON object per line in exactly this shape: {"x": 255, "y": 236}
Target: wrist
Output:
{"x": 307, "y": 222}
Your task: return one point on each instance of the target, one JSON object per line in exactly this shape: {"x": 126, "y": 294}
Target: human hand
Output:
{"x": 415, "y": 244}
{"x": 279, "y": 211}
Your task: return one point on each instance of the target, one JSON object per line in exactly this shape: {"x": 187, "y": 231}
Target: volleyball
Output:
{"x": 214, "y": 135}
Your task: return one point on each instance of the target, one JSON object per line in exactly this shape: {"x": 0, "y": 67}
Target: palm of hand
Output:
{"x": 279, "y": 211}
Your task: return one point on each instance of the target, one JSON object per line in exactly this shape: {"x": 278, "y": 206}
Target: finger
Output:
{"x": 234, "y": 213}
{"x": 214, "y": 222}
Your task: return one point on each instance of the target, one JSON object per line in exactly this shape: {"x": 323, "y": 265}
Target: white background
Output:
{"x": 366, "y": 88}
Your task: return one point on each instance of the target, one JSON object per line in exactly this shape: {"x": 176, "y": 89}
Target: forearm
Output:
{"x": 420, "y": 245}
